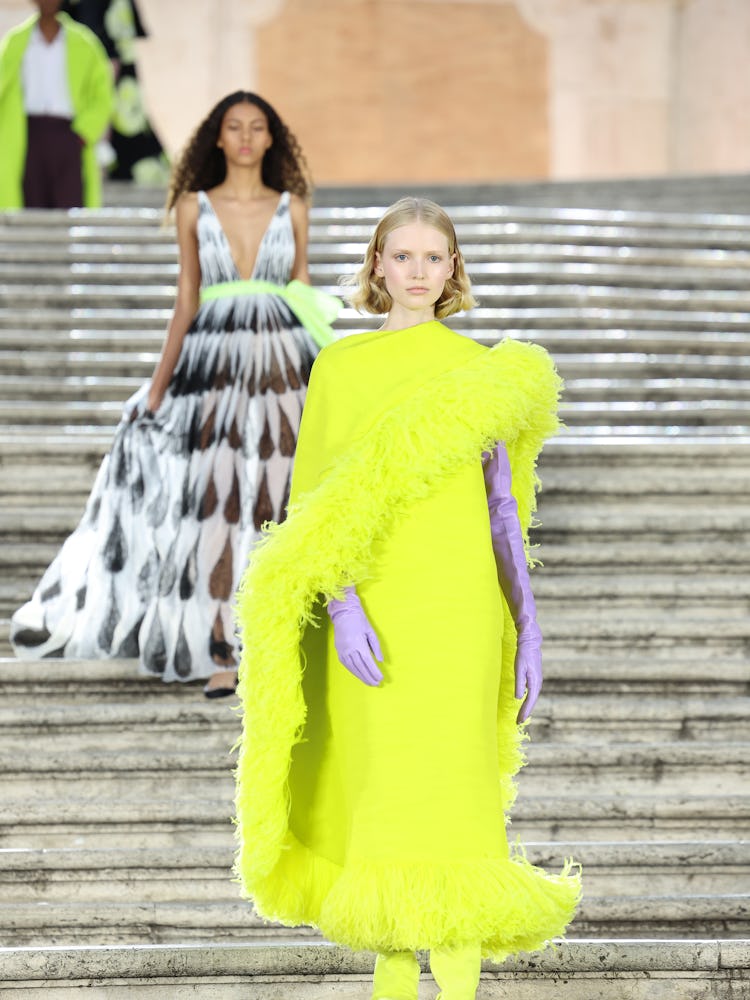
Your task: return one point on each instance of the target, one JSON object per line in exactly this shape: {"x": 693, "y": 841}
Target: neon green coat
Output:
{"x": 91, "y": 91}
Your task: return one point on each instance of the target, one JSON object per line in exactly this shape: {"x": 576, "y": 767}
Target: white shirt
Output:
{"x": 44, "y": 76}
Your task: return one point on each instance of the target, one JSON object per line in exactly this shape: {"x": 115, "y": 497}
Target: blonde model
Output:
{"x": 391, "y": 652}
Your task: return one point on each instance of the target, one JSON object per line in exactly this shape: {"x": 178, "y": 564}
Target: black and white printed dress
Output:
{"x": 152, "y": 568}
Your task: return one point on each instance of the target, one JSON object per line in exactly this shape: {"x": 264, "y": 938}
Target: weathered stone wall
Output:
{"x": 443, "y": 90}
{"x": 388, "y": 91}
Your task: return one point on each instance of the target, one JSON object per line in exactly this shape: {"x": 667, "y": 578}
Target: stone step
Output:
{"x": 544, "y": 267}
{"x": 715, "y": 411}
{"x": 474, "y": 224}
{"x": 121, "y": 223}
{"x": 97, "y": 258}
{"x": 616, "y": 623}
{"x": 656, "y": 668}
{"x": 701, "y": 915}
{"x": 630, "y": 869}
{"x": 632, "y": 817}
{"x": 93, "y": 261}
{"x": 613, "y": 515}
{"x": 95, "y": 391}
{"x": 497, "y": 233}
{"x": 169, "y": 710}
{"x": 646, "y": 591}
{"x": 621, "y": 769}
{"x": 625, "y": 554}
{"x": 615, "y": 769}
{"x": 717, "y": 195}
{"x": 69, "y": 397}
{"x": 566, "y": 609}
{"x": 566, "y": 575}
{"x": 616, "y": 374}
{"x": 67, "y": 923}
{"x": 650, "y": 669}
{"x": 161, "y": 821}
{"x": 529, "y": 316}
{"x": 498, "y": 295}
{"x": 572, "y": 719}
{"x": 304, "y": 969}
{"x": 32, "y": 472}
{"x": 559, "y": 527}
{"x": 167, "y": 720}
{"x": 565, "y": 451}
{"x": 705, "y": 353}
{"x": 630, "y": 517}
{"x": 594, "y": 624}
{"x": 145, "y": 875}
{"x": 725, "y": 439}
{"x": 640, "y": 375}
{"x": 185, "y": 874}
{"x": 586, "y": 199}
{"x": 652, "y": 587}
{"x": 66, "y": 276}
{"x": 559, "y": 549}
{"x": 52, "y": 305}
{"x": 589, "y": 458}
{"x": 119, "y": 922}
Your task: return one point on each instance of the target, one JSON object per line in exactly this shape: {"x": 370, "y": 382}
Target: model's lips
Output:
{"x": 245, "y": 149}
{"x": 417, "y": 289}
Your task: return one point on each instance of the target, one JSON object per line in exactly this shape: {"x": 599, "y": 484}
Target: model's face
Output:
{"x": 244, "y": 134}
{"x": 415, "y": 263}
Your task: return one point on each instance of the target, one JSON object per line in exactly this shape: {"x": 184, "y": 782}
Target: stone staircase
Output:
{"x": 115, "y": 832}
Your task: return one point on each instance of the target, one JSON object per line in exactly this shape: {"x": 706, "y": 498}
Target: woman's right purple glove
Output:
{"x": 355, "y": 639}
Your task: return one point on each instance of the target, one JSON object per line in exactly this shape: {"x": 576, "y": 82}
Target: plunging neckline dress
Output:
{"x": 151, "y": 569}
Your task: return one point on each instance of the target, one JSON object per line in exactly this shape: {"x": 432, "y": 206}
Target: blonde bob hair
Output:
{"x": 367, "y": 292}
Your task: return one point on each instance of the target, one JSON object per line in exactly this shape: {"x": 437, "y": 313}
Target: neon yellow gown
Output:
{"x": 378, "y": 815}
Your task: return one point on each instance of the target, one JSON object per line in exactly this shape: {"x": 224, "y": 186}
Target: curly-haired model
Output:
{"x": 366, "y": 289}
{"x": 202, "y": 164}
{"x": 202, "y": 457}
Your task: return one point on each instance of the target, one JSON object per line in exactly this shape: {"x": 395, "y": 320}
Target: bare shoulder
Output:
{"x": 186, "y": 210}
{"x": 298, "y": 207}
{"x": 187, "y": 203}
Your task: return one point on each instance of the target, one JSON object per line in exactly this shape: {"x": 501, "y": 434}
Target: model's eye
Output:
{"x": 400, "y": 256}
{"x": 435, "y": 258}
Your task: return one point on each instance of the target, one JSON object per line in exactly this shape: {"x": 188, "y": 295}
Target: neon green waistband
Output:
{"x": 315, "y": 309}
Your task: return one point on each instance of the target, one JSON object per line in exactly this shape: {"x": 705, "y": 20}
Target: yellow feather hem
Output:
{"x": 509, "y": 905}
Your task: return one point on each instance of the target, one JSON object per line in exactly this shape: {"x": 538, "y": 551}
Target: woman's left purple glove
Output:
{"x": 355, "y": 639}
{"x": 513, "y": 573}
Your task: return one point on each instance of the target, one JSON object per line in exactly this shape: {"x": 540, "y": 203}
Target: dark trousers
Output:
{"x": 52, "y": 176}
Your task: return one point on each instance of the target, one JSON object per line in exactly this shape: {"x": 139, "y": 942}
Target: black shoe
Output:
{"x": 220, "y": 692}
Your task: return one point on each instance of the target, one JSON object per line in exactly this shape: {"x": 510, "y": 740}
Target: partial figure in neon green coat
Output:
{"x": 89, "y": 78}
{"x": 377, "y": 811}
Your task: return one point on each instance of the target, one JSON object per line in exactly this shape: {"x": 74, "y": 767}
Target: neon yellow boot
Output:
{"x": 396, "y": 977}
{"x": 456, "y": 971}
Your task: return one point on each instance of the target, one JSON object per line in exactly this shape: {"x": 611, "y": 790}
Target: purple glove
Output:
{"x": 355, "y": 639}
{"x": 513, "y": 573}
